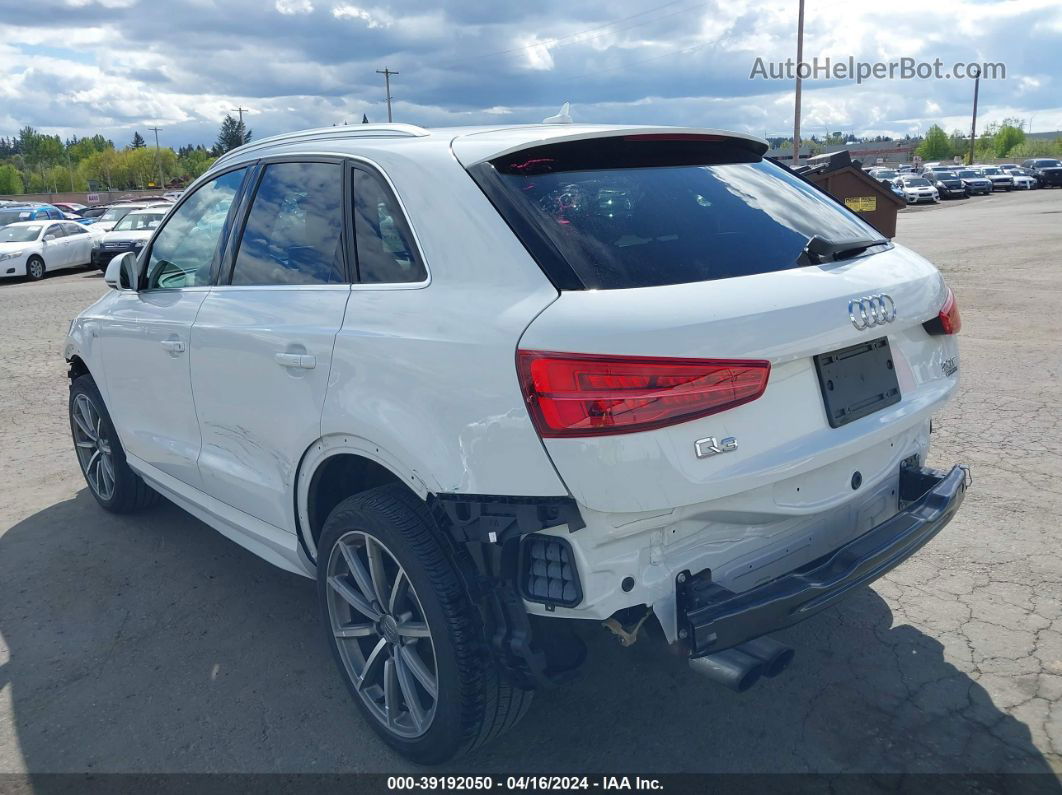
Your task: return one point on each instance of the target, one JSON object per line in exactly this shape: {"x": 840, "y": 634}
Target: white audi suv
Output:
{"x": 484, "y": 382}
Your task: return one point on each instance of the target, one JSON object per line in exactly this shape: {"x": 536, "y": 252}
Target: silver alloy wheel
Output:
{"x": 382, "y": 634}
{"x": 93, "y": 449}
{"x": 36, "y": 269}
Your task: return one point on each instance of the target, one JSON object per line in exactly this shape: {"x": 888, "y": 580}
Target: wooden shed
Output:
{"x": 859, "y": 192}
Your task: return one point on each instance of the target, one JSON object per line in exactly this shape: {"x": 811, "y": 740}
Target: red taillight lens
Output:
{"x": 948, "y": 320}
{"x": 588, "y": 395}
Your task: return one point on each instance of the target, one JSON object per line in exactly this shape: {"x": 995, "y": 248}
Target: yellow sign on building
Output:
{"x": 862, "y": 204}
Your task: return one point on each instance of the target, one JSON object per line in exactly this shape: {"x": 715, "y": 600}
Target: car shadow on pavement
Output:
{"x": 149, "y": 643}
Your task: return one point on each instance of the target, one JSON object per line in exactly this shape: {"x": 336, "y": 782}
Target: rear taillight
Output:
{"x": 948, "y": 320}
{"x": 589, "y": 395}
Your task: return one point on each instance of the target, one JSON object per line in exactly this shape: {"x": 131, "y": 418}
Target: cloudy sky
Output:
{"x": 82, "y": 66}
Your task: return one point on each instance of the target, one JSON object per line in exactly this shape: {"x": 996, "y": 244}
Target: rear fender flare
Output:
{"x": 338, "y": 444}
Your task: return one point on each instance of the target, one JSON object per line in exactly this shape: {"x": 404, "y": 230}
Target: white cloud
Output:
{"x": 372, "y": 21}
{"x": 294, "y": 7}
{"x": 78, "y": 66}
{"x": 537, "y": 56}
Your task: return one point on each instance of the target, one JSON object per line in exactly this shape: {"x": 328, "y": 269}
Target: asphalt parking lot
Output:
{"x": 152, "y": 644}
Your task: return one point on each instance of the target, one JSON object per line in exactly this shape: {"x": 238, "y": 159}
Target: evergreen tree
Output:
{"x": 233, "y": 133}
{"x": 138, "y": 141}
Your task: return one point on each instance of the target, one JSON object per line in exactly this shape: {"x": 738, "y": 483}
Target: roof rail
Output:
{"x": 330, "y": 133}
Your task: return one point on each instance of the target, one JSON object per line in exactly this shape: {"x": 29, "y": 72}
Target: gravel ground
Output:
{"x": 152, "y": 644}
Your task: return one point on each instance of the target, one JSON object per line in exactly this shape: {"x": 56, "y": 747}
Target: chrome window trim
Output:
{"x": 348, "y": 161}
{"x": 282, "y": 287}
{"x": 375, "y": 168}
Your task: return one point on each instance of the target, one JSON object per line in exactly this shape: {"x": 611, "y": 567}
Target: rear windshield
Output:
{"x": 636, "y": 214}
{"x": 11, "y": 216}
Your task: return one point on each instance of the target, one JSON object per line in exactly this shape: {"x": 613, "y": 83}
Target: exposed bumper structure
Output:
{"x": 711, "y": 618}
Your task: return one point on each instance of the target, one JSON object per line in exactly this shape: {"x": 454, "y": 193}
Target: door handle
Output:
{"x": 302, "y": 361}
{"x": 173, "y": 346}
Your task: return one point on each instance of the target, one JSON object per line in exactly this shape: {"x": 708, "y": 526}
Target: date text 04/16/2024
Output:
{"x": 522, "y": 783}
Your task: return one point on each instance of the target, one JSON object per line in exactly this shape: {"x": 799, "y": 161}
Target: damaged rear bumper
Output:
{"x": 712, "y": 618}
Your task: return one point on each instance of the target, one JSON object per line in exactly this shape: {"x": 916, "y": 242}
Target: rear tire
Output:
{"x": 473, "y": 701}
{"x": 116, "y": 487}
{"x": 35, "y": 268}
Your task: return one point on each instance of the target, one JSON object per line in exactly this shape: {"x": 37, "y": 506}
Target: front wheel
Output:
{"x": 35, "y": 268}
{"x": 405, "y": 634}
{"x": 116, "y": 487}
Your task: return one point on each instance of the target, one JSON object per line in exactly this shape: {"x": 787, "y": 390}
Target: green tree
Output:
{"x": 1009, "y": 135}
{"x": 10, "y": 180}
{"x": 102, "y": 168}
{"x": 935, "y": 146}
{"x": 233, "y": 133}
{"x": 959, "y": 142}
{"x": 194, "y": 162}
{"x": 1037, "y": 147}
{"x": 79, "y": 150}
{"x": 138, "y": 140}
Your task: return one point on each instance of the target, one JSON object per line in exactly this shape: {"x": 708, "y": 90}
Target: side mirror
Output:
{"x": 121, "y": 273}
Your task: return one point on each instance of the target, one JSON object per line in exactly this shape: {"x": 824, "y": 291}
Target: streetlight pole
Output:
{"x": 800, "y": 58}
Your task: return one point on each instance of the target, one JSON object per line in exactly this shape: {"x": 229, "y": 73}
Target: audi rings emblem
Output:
{"x": 871, "y": 310}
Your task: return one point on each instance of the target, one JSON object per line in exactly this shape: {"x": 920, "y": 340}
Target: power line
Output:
{"x": 627, "y": 65}
{"x": 575, "y": 38}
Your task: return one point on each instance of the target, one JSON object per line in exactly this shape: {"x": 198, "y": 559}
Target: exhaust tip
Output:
{"x": 775, "y": 656}
{"x": 731, "y": 668}
{"x": 749, "y": 679}
{"x": 780, "y": 662}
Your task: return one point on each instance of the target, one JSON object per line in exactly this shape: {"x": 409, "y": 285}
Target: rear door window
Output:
{"x": 294, "y": 232}
{"x": 384, "y": 242}
{"x": 626, "y": 213}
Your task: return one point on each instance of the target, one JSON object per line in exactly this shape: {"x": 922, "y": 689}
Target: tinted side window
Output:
{"x": 185, "y": 247}
{"x": 55, "y": 230}
{"x": 294, "y": 231}
{"x": 75, "y": 229}
{"x": 386, "y": 254}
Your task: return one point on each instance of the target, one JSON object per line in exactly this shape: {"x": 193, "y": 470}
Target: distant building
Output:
{"x": 900, "y": 151}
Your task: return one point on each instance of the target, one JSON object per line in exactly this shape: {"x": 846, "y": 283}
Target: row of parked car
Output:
{"x": 36, "y": 238}
{"x": 938, "y": 181}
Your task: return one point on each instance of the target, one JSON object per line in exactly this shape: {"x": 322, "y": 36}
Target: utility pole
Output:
{"x": 242, "y": 128}
{"x": 387, "y": 83}
{"x": 800, "y": 58}
{"x": 158, "y": 156}
{"x": 973, "y": 122}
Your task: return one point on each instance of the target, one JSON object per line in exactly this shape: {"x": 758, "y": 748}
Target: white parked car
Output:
{"x": 32, "y": 248}
{"x": 480, "y": 382}
{"x": 917, "y": 189}
{"x": 1000, "y": 180}
{"x": 116, "y": 212}
{"x": 131, "y": 233}
{"x": 1020, "y": 180}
